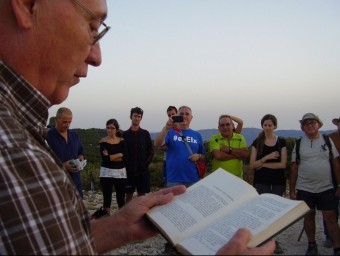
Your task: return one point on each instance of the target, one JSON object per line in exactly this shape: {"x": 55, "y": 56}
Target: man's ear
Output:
{"x": 23, "y": 11}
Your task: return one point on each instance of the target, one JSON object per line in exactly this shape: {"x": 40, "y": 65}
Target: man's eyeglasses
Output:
{"x": 225, "y": 125}
{"x": 312, "y": 123}
{"x": 98, "y": 35}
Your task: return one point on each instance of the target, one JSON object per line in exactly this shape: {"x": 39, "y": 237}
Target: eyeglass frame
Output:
{"x": 225, "y": 125}
{"x": 101, "y": 34}
{"x": 310, "y": 123}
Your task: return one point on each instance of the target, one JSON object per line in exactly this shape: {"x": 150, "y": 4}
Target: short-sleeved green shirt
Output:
{"x": 234, "y": 166}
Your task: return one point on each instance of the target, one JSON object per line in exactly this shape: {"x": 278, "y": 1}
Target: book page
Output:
{"x": 203, "y": 202}
{"x": 265, "y": 216}
{"x": 78, "y": 164}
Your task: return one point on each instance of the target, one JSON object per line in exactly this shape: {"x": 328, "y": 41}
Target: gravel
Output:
{"x": 288, "y": 239}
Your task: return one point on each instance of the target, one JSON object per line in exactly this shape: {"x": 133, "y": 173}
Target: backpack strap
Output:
{"x": 184, "y": 140}
{"x": 179, "y": 131}
{"x": 297, "y": 150}
{"x": 329, "y": 145}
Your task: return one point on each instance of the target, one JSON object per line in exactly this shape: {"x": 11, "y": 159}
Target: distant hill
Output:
{"x": 250, "y": 133}
{"x": 90, "y": 138}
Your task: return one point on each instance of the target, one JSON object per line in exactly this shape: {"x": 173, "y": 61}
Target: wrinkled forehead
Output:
{"x": 225, "y": 120}
{"x": 184, "y": 111}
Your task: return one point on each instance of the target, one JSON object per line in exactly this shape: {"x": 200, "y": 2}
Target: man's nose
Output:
{"x": 95, "y": 55}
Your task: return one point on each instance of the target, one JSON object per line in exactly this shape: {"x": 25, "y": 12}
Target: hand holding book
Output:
{"x": 79, "y": 165}
{"x": 204, "y": 218}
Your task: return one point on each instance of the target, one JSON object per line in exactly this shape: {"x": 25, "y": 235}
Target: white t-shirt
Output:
{"x": 314, "y": 171}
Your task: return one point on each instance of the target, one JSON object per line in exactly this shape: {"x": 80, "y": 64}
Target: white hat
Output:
{"x": 312, "y": 117}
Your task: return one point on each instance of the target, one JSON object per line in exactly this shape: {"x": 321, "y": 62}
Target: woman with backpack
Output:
{"x": 268, "y": 159}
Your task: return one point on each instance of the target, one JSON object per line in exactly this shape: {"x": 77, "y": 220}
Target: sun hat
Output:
{"x": 312, "y": 117}
{"x": 335, "y": 121}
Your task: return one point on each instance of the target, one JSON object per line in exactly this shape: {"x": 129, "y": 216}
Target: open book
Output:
{"x": 204, "y": 218}
{"x": 78, "y": 164}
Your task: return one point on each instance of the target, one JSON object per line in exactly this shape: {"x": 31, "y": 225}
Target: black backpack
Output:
{"x": 328, "y": 144}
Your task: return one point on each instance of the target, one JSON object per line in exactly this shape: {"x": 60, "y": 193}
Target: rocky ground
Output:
{"x": 156, "y": 246}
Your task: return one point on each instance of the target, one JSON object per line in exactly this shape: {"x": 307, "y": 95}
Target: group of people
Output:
{"x": 125, "y": 156}
{"x": 45, "y": 48}
{"x": 314, "y": 176}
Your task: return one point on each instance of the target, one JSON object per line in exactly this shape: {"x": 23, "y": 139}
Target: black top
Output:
{"x": 140, "y": 150}
{"x": 268, "y": 176}
{"x": 112, "y": 149}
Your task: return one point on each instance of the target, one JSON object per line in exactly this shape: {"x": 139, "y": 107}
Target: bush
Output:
{"x": 90, "y": 177}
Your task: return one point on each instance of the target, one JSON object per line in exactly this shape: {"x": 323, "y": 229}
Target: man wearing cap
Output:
{"x": 335, "y": 136}
{"x": 311, "y": 181}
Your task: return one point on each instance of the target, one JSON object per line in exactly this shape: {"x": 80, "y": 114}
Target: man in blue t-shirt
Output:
{"x": 180, "y": 162}
{"x": 66, "y": 145}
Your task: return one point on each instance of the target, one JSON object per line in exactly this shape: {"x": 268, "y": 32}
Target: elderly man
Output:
{"x": 184, "y": 147}
{"x": 311, "y": 181}
{"x": 66, "y": 144}
{"x": 228, "y": 148}
{"x": 45, "y": 48}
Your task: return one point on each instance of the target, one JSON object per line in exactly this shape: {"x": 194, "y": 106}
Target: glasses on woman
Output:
{"x": 110, "y": 128}
{"x": 97, "y": 35}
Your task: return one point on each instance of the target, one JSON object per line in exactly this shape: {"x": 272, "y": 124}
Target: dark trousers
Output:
{"x": 272, "y": 189}
{"x": 107, "y": 185}
{"x": 76, "y": 178}
{"x": 164, "y": 173}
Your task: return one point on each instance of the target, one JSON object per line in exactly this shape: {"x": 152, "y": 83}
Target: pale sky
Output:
{"x": 238, "y": 57}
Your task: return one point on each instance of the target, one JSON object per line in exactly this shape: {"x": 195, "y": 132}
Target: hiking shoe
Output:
{"x": 327, "y": 243}
{"x": 312, "y": 250}
{"x": 278, "y": 248}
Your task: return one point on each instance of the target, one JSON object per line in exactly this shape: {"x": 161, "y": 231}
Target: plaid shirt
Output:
{"x": 40, "y": 210}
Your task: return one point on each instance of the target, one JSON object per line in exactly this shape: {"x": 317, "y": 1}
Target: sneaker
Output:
{"x": 327, "y": 243}
{"x": 312, "y": 250}
{"x": 278, "y": 248}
